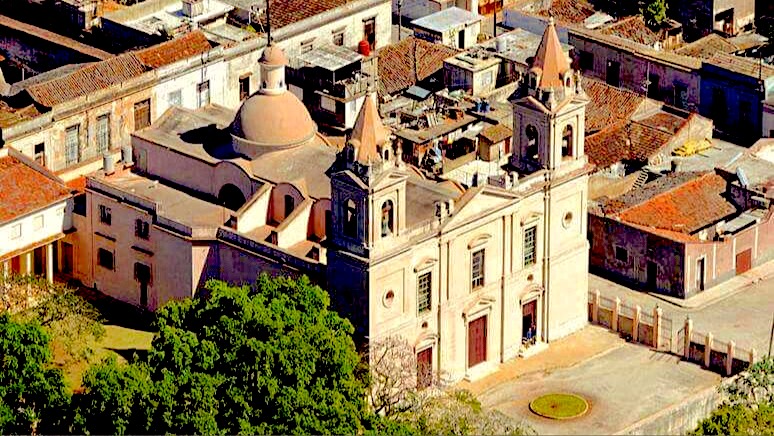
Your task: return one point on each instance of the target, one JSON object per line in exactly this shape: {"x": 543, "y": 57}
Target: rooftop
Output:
{"x": 746, "y": 66}
{"x": 608, "y": 104}
{"x": 167, "y": 15}
{"x": 171, "y": 202}
{"x": 409, "y": 61}
{"x": 707, "y": 46}
{"x": 25, "y": 187}
{"x": 625, "y": 141}
{"x": 286, "y": 12}
{"x": 447, "y": 19}
{"x": 520, "y": 46}
{"x": 330, "y": 57}
{"x": 569, "y": 11}
{"x": 182, "y": 47}
{"x": 634, "y": 28}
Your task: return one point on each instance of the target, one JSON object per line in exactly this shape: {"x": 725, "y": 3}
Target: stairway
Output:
{"x": 642, "y": 178}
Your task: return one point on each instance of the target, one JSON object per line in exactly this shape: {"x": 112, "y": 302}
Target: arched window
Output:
{"x": 388, "y": 220}
{"x": 290, "y": 204}
{"x": 567, "y": 141}
{"x": 231, "y": 197}
{"x": 350, "y": 219}
{"x": 386, "y": 153}
{"x": 532, "y": 143}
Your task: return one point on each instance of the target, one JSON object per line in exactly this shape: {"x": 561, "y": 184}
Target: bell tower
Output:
{"x": 549, "y": 118}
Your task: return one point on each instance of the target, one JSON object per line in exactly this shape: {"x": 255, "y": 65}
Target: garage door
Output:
{"x": 743, "y": 261}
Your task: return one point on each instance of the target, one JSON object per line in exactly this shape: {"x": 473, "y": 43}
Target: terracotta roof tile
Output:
{"x": 625, "y": 141}
{"x": 24, "y": 189}
{"x": 285, "y": 12}
{"x": 707, "y": 46}
{"x": 87, "y": 79}
{"x": 550, "y": 59}
{"x": 608, "y": 104}
{"x": 190, "y": 44}
{"x": 737, "y": 64}
{"x": 569, "y": 11}
{"x": 409, "y": 61}
{"x": 664, "y": 121}
{"x": 634, "y": 29}
{"x": 686, "y": 209}
{"x": 496, "y": 133}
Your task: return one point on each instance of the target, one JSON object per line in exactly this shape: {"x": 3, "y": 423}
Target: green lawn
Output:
{"x": 559, "y": 406}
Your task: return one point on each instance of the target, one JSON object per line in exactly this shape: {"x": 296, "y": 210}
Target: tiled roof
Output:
{"x": 550, "y": 59}
{"x": 636, "y": 197}
{"x": 737, "y": 64}
{"x": 707, "y": 46}
{"x": 685, "y": 209}
{"x": 664, "y": 121}
{"x": 90, "y": 78}
{"x": 634, "y": 29}
{"x": 496, "y": 133}
{"x": 190, "y": 44}
{"x": 569, "y": 11}
{"x": 608, "y": 104}
{"x": 403, "y": 64}
{"x": 24, "y": 189}
{"x": 285, "y": 12}
{"x": 624, "y": 141}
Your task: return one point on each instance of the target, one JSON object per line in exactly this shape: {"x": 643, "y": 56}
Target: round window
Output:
{"x": 389, "y": 298}
{"x": 567, "y": 220}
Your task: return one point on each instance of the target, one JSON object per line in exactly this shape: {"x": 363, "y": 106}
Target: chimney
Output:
{"x": 126, "y": 155}
{"x": 107, "y": 164}
{"x": 193, "y": 8}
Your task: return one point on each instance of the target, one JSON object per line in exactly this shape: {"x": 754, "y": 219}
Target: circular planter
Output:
{"x": 559, "y": 406}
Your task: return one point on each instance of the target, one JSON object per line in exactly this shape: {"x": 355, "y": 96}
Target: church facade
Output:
{"x": 470, "y": 277}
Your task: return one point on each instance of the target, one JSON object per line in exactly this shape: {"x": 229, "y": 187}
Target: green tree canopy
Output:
{"x": 32, "y": 393}
{"x": 264, "y": 359}
{"x": 654, "y": 12}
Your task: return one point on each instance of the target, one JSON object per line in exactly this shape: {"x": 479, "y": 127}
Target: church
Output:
{"x": 471, "y": 277}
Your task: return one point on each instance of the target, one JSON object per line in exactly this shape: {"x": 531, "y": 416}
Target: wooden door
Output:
{"x": 529, "y": 320}
{"x": 743, "y": 261}
{"x": 476, "y": 341}
{"x": 424, "y": 368}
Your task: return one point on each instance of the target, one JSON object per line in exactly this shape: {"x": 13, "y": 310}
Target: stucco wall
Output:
{"x": 30, "y": 228}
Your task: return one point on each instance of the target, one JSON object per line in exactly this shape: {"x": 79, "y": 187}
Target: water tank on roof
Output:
{"x": 501, "y": 45}
{"x": 364, "y": 48}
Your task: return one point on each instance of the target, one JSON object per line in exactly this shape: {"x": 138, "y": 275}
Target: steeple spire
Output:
{"x": 369, "y": 132}
{"x": 550, "y": 59}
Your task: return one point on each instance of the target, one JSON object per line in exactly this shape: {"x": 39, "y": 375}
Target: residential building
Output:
{"x": 702, "y": 17}
{"x": 411, "y": 62}
{"x": 474, "y": 72}
{"x": 684, "y": 232}
{"x": 34, "y": 216}
{"x": 268, "y": 193}
{"x": 453, "y": 27}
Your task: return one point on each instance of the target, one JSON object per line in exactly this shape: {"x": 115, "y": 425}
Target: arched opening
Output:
{"x": 567, "y": 141}
{"x": 388, "y": 219}
{"x": 231, "y": 197}
{"x": 350, "y": 219}
{"x": 290, "y": 204}
{"x": 532, "y": 143}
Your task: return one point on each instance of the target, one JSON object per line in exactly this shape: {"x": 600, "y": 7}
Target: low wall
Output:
{"x": 679, "y": 418}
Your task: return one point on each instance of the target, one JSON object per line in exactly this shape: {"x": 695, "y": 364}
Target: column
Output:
{"x": 595, "y": 311}
{"x": 688, "y": 333}
{"x": 730, "y": 357}
{"x": 6, "y": 268}
{"x": 616, "y": 310}
{"x": 707, "y": 349}
{"x": 657, "y": 312}
{"x": 29, "y": 263}
{"x": 50, "y": 262}
{"x": 636, "y": 323}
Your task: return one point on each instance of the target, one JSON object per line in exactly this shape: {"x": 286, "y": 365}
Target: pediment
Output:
{"x": 478, "y": 202}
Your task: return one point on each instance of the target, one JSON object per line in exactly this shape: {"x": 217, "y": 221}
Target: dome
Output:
{"x": 273, "y": 56}
{"x": 271, "y": 121}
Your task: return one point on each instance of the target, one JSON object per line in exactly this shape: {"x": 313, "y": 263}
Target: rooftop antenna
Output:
{"x": 268, "y": 21}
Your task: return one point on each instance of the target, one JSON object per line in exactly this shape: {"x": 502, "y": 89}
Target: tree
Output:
{"x": 72, "y": 323}
{"x": 264, "y": 359}
{"x": 32, "y": 394}
{"x": 748, "y": 405}
{"x": 654, "y": 12}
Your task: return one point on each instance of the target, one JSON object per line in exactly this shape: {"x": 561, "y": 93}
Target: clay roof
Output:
{"x": 707, "y": 46}
{"x": 608, "y": 104}
{"x": 550, "y": 59}
{"x": 745, "y": 66}
{"x": 285, "y": 12}
{"x": 634, "y": 29}
{"x": 274, "y": 120}
{"x": 625, "y": 141}
{"x": 664, "y": 121}
{"x": 409, "y": 61}
{"x": 569, "y": 11}
{"x": 496, "y": 133}
{"x": 25, "y": 189}
{"x": 87, "y": 79}
{"x": 190, "y": 44}
{"x": 685, "y": 209}
{"x": 369, "y": 131}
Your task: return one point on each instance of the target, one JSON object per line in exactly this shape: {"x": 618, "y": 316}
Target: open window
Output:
{"x": 388, "y": 218}
{"x": 532, "y": 143}
{"x": 567, "y": 142}
{"x": 350, "y": 219}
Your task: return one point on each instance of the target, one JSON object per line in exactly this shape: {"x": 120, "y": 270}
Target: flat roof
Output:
{"x": 447, "y": 19}
{"x": 172, "y": 203}
{"x": 519, "y": 45}
{"x": 171, "y": 16}
{"x": 330, "y": 57}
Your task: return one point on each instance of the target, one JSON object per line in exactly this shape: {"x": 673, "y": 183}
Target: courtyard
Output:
{"x": 623, "y": 383}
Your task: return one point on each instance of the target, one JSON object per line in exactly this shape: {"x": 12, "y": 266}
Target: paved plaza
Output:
{"x": 624, "y": 383}
{"x": 743, "y": 315}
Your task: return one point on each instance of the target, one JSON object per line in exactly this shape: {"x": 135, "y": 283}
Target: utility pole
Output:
{"x": 400, "y": 20}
